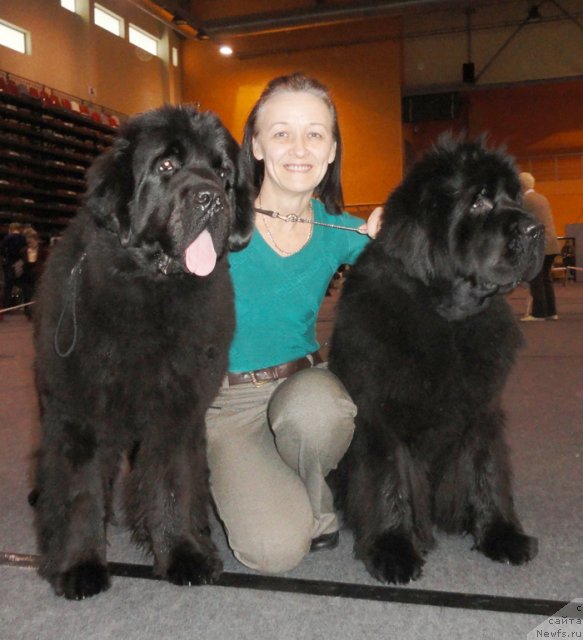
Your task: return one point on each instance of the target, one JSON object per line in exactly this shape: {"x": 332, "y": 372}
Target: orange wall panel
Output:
{"x": 532, "y": 119}
{"x": 365, "y": 83}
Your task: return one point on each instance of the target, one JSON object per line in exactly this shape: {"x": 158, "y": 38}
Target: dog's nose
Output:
{"x": 527, "y": 227}
{"x": 534, "y": 230}
{"x": 208, "y": 199}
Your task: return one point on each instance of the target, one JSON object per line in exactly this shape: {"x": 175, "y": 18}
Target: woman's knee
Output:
{"x": 314, "y": 405}
{"x": 277, "y": 549}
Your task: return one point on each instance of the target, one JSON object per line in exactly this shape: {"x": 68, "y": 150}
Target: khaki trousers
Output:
{"x": 270, "y": 448}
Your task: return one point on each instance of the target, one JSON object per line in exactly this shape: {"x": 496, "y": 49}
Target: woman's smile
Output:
{"x": 300, "y": 168}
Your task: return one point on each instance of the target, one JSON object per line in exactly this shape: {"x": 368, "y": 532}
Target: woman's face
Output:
{"x": 295, "y": 140}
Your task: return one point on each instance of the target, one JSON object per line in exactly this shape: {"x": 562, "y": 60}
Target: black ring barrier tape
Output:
{"x": 374, "y": 593}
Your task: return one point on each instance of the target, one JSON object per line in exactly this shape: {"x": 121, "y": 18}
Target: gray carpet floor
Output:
{"x": 544, "y": 403}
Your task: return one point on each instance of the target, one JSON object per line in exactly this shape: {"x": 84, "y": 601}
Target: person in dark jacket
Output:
{"x": 11, "y": 250}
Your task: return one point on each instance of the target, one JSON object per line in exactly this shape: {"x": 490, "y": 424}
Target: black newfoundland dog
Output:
{"x": 424, "y": 342}
{"x": 132, "y": 329}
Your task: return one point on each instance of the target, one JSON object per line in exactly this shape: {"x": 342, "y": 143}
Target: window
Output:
{"x": 13, "y": 37}
{"x": 143, "y": 40}
{"x": 174, "y": 57}
{"x": 108, "y": 20}
{"x": 69, "y": 4}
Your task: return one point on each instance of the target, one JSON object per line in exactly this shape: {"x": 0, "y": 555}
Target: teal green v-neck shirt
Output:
{"x": 277, "y": 298}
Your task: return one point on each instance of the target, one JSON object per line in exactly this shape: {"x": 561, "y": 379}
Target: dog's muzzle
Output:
{"x": 528, "y": 241}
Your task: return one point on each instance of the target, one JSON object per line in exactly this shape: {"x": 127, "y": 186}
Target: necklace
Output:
{"x": 293, "y": 217}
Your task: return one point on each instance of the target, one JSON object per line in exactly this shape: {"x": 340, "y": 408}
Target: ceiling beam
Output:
{"x": 259, "y": 23}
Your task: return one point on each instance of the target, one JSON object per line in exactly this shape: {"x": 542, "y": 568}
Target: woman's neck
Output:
{"x": 285, "y": 204}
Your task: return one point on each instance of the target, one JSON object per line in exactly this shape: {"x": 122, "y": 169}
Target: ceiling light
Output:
{"x": 225, "y": 50}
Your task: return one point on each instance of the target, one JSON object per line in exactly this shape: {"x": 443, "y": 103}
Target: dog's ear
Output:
{"x": 242, "y": 202}
{"x": 110, "y": 185}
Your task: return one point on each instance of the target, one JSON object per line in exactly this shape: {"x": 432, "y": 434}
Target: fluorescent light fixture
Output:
{"x": 108, "y": 20}
{"x": 12, "y": 37}
{"x": 143, "y": 40}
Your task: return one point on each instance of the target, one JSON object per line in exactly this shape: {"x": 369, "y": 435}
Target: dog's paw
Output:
{"x": 502, "y": 542}
{"x": 189, "y": 567}
{"x": 82, "y": 581}
{"x": 393, "y": 558}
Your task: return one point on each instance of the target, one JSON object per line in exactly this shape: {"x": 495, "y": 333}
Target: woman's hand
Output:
{"x": 373, "y": 224}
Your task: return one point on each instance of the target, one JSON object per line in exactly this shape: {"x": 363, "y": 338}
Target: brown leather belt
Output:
{"x": 275, "y": 373}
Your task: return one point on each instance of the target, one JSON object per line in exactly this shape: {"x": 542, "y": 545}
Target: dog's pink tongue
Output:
{"x": 200, "y": 257}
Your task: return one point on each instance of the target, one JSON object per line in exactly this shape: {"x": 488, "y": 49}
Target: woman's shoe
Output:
{"x": 325, "y": 541}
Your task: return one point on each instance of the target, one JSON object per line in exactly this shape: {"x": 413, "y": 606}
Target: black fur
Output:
{"x": 132, "y": 347}
{"x": 424, "y": 342}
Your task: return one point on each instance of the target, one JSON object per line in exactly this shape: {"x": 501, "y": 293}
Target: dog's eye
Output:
{"x": 167, "y": 166}
{"x": 481, "y": 203}
{"x": 224, "y": 174}
{"x": 477, "y": 204}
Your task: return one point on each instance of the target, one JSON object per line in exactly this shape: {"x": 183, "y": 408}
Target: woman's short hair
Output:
{"x": 329, "y": 191}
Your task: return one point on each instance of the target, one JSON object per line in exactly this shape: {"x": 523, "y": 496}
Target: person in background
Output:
{"x": 11, "y": 251}
{"x": 34, "y": 257}
{"x": 282, "y": 421}
{"x": 568, "y": 255}
{"x": 542, "y": 289}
